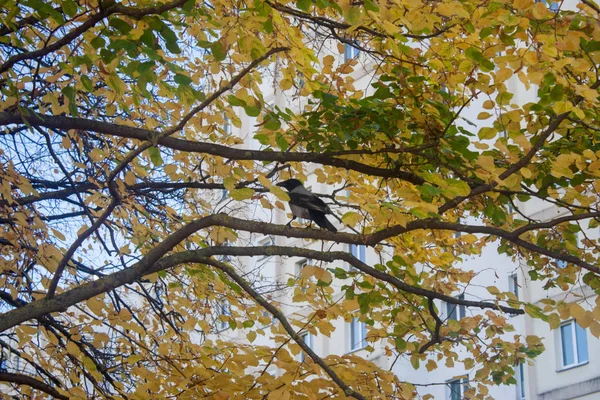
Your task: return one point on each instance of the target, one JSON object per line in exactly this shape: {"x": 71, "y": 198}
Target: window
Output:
{"x": 224, "y": 311}
{"x": 350, "y": 52}
{"x": 573, "y": 345}
{"x": 358, "y": 251}
{"x": 455, "y": 311}
{"x": 264, "y": 274}
{"x": 520, "y": 377}
{"x": 227, "y": 128}
{"x": 308, "y": 339}
{"x": 358, "y": 334}
{"x": 513, "y": 285}
{"x": 456, "y": 388}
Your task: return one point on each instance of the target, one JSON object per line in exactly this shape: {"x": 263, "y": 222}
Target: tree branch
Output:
{"x": 348, "y": 391}
{"x": 66, "y": 123}
{"x": 19, "y": 379}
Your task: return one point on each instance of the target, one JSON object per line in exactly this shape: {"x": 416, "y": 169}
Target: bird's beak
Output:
{"x": 280, "y": 184}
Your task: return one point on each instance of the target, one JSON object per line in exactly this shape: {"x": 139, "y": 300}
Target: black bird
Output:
{"x": 307, "y": 205}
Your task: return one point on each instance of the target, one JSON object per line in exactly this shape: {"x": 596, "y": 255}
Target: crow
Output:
{"x": 307, "y": 205}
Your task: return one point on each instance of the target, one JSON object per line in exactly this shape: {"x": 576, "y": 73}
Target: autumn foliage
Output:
{"x": 125, "y": 193}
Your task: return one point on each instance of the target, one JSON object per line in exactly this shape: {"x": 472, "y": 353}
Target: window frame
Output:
{"x": 223, "y": 309}
{"x": 227, "y": 126}
{"x": 521, "y": 393}
{"x": 350, "y": 52}
{"x": 361, "y": 330}
{"x": 457, "y": 309}
{"x": 513, "y": 285}
{"x": 463, "y": 385}
{"x": 359, "y": 251}
{"x": 575, "y": 346}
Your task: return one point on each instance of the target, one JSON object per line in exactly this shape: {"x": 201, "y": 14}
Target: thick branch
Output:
{"x": 66, "y": 123}
{"x": 19, "y": 379}
{"x": 152, "y": 263}
{"x": 146, "y": 265}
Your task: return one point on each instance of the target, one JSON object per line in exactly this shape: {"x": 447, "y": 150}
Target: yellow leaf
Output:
{"x": 73, "y": 349}
{"x": 351, "y": 218}
{"x": 229, "y": 183}
{"x": 562, "y": 106}
{"x": 493, "y": 290}
{"x": 280, "y": 194}
{"x": 58, "y": 234}
{"x": 241, "y": 194}
{"x": 170, "y": 169}
{"x": 484, "y": 115}
{"x": 488, "y": 104}
{"x": 595, "y": 329}
{"x": 390, "y": 28}
{"x": 96, "y": 306}
{"x": 503, "y": 74}
{"x": 554, "y": 321}
{"x": 540, "y": 11}
{"x": 577, "y": 311}
{"x": 431, "y": 365}
{"x": 130, "y": 178}
{"x": 523, "y": 4}
{"x": 285, "y": 84}
{"x": 251, "y": 336}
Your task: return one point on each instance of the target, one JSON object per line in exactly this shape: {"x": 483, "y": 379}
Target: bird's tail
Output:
{"x": 322, "y": 221}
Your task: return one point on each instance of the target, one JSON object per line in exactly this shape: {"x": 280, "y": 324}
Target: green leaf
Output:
{"x": 189, "y": 5}
{"x": 120, "y": 25}
{"x": 268, "y": 26}
{"x": 486, "y": 133}
{"x": 262, "y": 139}
{"x": 281, "y": 142}
{"x": 155, "y": 156}
{"x": 304, "y": 5}
{"x": 352, "y": 15}
{"x": 272, "y": 123}
{"x": 182, "y": 79}
{"x": 97, "y": 42}
{"x": 234, "y": 101}
{"x": 144, "y": 67}
{"x": 504, "y": 98}
{"x": 429, "y": 190}
{"x": 252, "y": 111}
{"x": 69, "y": 7}
{"x": 170, "y": 39}
{"x": 218, "y": 51}
{"x": 370, "y": 6}
{"x": 69, "y": 92}
{"x": 241, "y": 194}
{"x": 87, "y": 83}
{"x": 400, "y": 343}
